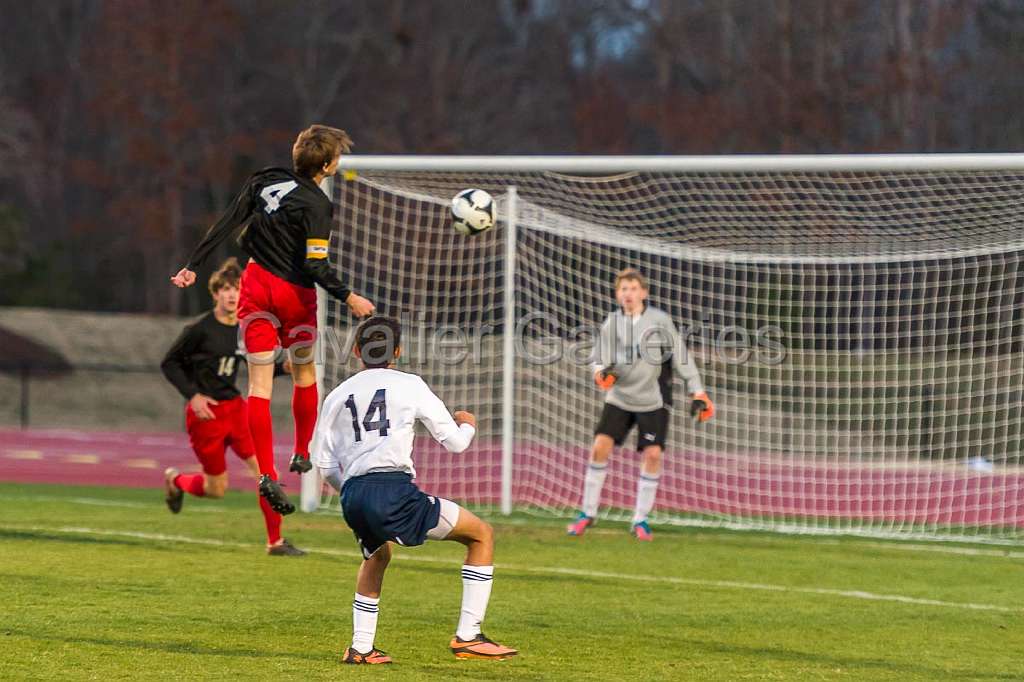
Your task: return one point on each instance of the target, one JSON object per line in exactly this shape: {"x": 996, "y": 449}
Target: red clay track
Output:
{"x": 103, "y": 458}
{"x": 920, "y": 493}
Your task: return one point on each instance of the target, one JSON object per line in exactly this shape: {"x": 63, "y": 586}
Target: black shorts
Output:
{"x": 651, "y": 427}
{"x": 387, "y": 506}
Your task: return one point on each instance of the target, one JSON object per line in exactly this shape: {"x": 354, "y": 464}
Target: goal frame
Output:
{"x": 608, "y": 165}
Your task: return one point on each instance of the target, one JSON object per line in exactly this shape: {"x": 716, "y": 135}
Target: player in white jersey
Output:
{"x": 640, "y": 351}
{"x": 363, "y": 446}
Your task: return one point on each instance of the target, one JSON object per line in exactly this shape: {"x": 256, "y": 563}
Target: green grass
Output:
{"x": 90, "y": 591}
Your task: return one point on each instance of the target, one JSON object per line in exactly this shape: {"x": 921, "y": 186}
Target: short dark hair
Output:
{"x": 317, "y": 146}
{"x": 377, "y": 339}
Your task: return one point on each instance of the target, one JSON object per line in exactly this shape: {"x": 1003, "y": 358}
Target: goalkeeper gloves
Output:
{"x": 702, "y": 408}
{"x": 605, "y": 377}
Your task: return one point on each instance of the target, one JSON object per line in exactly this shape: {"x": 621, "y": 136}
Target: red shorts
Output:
{"x": 210, "y": 437}
{"x": 273, "y": 311}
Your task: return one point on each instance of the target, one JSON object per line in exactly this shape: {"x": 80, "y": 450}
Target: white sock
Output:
{"x": 646, "y": 490}
{"x": 364, "y": 622}
{"x": 476, "y": 591}
{"x": 592, "y": 485}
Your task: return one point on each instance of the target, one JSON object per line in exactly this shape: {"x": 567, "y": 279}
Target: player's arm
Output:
{"x": 233, "y": 218}
{"x": 454, "y": 433}
{"x": 685, "y": 366}
{"x": 174, "y": 366}
{"x": 318, "y": 267}
{"x": 322, "y": 448}
{"x": 333, "y": 476}
{"x": 603, "y": 367}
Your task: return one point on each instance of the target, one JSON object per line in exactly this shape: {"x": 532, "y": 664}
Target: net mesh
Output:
{"x": 860, "y": 334}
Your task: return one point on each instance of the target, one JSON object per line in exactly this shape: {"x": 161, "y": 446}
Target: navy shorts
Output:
{"x": 387, "y": 506}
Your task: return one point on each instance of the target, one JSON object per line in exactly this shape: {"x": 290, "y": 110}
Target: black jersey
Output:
{"x": 288, "y": 231}
{"x": 205, "y": 359}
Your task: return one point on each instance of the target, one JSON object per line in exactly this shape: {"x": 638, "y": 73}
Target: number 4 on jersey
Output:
{"x": 377, "y": 405}
{"x": 272, "y": 194}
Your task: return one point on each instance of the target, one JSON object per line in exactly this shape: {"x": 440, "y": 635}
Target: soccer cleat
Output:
{"x": 642, "y": 531}
{"x": 580, "y": 525}
{"x": 300, "y": 464}
{"x": 173, "y": 495}
{"x": 284, "y": 548}
{"x": 374, "y": 657}
{"x": 480, "y": 647}
{"x": 272, "y": 492}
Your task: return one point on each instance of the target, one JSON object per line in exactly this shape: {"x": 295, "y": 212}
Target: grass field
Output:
{"x": 105, "y": 584}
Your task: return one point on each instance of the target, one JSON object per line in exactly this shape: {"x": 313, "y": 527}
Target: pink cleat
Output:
{"x": 641, "y": 531}
{"x": 580, "y": 525}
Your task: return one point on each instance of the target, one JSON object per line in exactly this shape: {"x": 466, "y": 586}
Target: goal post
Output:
{"x": 858, "y": 321}
{"x": 508, "y": 352}
{"x": 311, "y": 485}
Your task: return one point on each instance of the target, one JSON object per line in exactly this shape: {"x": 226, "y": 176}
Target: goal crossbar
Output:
{"x": 738, "y": 163}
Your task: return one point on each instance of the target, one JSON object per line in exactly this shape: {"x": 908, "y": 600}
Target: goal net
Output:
{"x": 860, "y": 333}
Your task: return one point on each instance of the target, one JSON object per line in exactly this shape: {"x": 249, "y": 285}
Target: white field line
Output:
{"x": 98, "y": 502}
{"x": 546, "y": 570}
{"x": 964, "y": 551}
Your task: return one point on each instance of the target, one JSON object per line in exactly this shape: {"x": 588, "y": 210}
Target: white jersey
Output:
{"x": 367, "y": 423}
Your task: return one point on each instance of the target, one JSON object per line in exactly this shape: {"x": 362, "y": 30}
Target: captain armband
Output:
{"x": 316, "y": 248}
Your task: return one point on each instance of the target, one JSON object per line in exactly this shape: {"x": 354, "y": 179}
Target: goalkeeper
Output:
{"x": 635, "y": 366}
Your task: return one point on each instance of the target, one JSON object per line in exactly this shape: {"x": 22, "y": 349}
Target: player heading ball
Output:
{"x": 638, "y": 393}
{"x": 363, "y": 446}
{"x": 287, "y": 221}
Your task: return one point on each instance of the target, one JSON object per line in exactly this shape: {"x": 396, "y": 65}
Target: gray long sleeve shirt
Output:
{"x": 645, "y": 351}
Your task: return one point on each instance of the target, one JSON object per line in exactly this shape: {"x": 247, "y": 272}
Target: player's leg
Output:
{"x": 261, "y": 383}
{"x": 260, "y": 330}
{"x": 242, "y": 444}
{"x": 365, "y": 609}
{"x": 297, "y": 308}
{"x": 463, "y": 526}
{"x": 216, "y": 486}
{"x": 646, "y": 491}
{"x": 652, "y": 430}
{"x": 197, "y": 485}
{"x": 305, "y": 401}
{"x": 593, "y": 482}
{"x": 363, "y": 505}
{"x": 611, "y": 429}
{"x": 208, "y": 438}
{"x": 261, "y": 388}
{"x": 251, "y": 466}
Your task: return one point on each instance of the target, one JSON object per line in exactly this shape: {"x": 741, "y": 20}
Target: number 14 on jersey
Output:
{"x": 378, "y": 406}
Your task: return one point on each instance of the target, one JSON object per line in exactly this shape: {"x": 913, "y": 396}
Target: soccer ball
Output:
{"x": 473, "y": 211}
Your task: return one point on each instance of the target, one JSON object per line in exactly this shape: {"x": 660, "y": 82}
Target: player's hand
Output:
{"x": 200, "y": 405}
{"x": 463, "y": 417}
{"x": 702, "y": 408}
{"x": 359, "y": 306}
{"x": 604, "y": 379}
{"x": 184, "y": 278}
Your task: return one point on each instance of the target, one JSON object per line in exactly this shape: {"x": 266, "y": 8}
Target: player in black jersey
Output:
{"x": 203, "y": 365}
{"x": 288, "y": 224}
